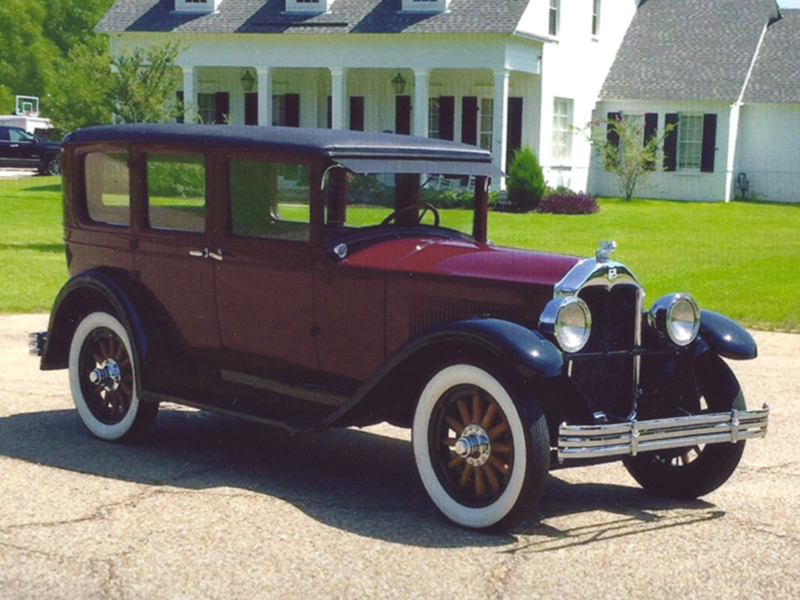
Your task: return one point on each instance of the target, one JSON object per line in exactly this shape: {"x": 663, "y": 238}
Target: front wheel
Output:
{"x": 695, "y": 471}
{"x": 102, "y": 376}
{"x": 481, "y": 452}
{"x": 52, "y": 166}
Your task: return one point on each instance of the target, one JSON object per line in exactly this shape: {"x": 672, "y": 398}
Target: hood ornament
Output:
{"x": 603, "y": 253}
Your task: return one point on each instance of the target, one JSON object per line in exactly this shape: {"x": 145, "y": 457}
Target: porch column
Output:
{"x": 421, "y": 96}
{"x": 500, "y": 118}
{"x": 189, "y": 94}
{"x": 338, "y": 92}
{"x": 264, "y": 95}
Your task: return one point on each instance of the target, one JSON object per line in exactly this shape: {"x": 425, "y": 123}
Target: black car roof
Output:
{"x": 361, "y": 152}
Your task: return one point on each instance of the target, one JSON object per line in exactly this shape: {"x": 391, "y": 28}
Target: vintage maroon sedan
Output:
{"x": 253, "y": 271}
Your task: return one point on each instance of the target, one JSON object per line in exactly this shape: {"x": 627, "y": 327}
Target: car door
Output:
{"x": 23, "y": 152}
{"x": 265, "y": 299}
{"x": 173, "y": 257}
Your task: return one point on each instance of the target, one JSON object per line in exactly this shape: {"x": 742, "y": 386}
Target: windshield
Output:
{"x": 444, "y": 201}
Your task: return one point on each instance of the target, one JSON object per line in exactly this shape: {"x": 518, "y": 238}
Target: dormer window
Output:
{"x": 308, "y": 6}
{"x": 197, "y": 6}
{"x": 425, "y": 5}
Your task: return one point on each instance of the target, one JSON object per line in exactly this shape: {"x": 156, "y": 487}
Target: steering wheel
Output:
{"x": 425, "y": 209}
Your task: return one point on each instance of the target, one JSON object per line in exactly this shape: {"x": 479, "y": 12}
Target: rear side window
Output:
{"x": 107, "y": 184}
{"x": 176, "y": 192}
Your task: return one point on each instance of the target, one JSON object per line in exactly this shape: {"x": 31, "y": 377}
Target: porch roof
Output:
{"x": 345, "y": 16}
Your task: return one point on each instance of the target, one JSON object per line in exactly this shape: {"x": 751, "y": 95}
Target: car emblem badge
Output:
{"x": 612, "y": 273}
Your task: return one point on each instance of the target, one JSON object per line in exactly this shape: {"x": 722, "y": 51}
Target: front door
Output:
{"x": 265, "y": 296}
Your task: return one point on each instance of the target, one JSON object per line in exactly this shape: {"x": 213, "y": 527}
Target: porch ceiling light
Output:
{"x": 248, "y": 80}
{"x": 398, "y": 84}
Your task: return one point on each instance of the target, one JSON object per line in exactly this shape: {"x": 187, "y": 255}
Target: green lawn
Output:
{"x": 740, "y": 259}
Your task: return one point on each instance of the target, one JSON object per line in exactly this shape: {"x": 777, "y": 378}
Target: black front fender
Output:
{"x": 515, "y": 348}
{"x": 726, "y": 337}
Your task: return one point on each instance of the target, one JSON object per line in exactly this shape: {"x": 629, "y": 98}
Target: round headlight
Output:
{"x": 677, "y": 317}
{"x": 569, "y": 320}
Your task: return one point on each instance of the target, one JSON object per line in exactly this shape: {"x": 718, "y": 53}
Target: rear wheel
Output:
{"x": 481, "y": 452}
{"x": 102, "y": 374}
{"x": 690, "y": 472}
{"x": 52, "y": 166}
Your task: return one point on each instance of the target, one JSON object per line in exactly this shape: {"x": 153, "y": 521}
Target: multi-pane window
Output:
{"x": 279, "y": 110}
{"x": 486, "y": 123}
{"x": 595, "y": 17}
{"x": 562, "y": 129}
{"x": 553, "y": 17}
{"x": 207, "y": 107}
{"x": 176, "y": 191}
{"x": 690, "y": 141}
{"x": 433, "y": 118}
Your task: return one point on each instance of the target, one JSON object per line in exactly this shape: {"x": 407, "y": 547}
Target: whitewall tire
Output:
{"x": 102, "y": 375}
{"x": 482, "y": 454}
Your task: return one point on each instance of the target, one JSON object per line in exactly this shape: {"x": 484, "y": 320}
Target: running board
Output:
{"x": 632, "y": 437}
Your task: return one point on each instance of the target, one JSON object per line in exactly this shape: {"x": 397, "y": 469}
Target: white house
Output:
{"x": 725, "y": 73}
{"x": 496, "y": 73}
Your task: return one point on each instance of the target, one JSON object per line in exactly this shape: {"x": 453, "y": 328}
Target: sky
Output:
{"x": 789, "y": 3}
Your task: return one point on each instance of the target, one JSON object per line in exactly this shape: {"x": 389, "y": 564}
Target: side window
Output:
{"x": 269, "y": 199}
{"x": 107, "y": 185}
{"x": 176, "y": 192}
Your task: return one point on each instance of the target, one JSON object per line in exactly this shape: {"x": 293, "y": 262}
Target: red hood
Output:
{"x": 466, "y": 259}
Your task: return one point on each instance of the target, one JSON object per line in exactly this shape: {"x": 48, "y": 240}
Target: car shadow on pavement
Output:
{"x": 350, "y": 479}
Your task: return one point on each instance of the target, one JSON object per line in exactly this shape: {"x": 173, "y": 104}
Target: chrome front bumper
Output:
{"x": 632, "y": 437}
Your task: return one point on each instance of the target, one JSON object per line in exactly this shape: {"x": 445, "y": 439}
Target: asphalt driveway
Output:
{"x": 214, "y": 507}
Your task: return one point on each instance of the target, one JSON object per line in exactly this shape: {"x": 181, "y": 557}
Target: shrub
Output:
{"x": 565, "y": 202}
{"x": 526, "y": 185}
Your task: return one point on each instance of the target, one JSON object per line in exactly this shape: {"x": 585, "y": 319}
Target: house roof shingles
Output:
{"x": 776, "y": 73}
{"x": 688, "y": 50}
{"x": 345, "y": 16}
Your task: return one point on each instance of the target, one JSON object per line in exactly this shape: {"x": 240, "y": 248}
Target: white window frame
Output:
{"x": 486, "y": 123}
{"x": 563, "y": 110}
{"x": 596, "y": 17}
{"x": 197, "y": 6}
{"x": 690, "y": 142}
{"x": 425, "y": 5}
{"x": 279, "y": 110}
{"x": 554, "y": 17}
{"x": 308, "y": 6}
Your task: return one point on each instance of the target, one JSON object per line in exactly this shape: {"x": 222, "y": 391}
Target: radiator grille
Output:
{"x": 607, "y": 382}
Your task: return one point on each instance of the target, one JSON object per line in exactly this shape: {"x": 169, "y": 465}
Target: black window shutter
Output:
{"x": 179, "y": 115}
{"x": 611, "y": 129}
{"x": 356, "y": 113}
{"x": 222, "y": 101}
{"x": 402, "y": 115}
{"x": 514, "y": 137}
{"x": 293, "y": 110}
{"x": 447, "y": 115}
{"x": 671, "y": 143}
{"x": 251, "y": 108}
{"x": 330, "y": 113}
{"x": 469, "y": 120}
{"x": 650, "y": 130}
{"x": 709, "y": 143}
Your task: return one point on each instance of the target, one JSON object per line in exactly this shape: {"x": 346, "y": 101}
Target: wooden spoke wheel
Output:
{"x": 102, "y": 375}
{"x": 482, "y": 454}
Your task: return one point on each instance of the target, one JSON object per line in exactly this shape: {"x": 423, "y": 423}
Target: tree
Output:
{"x": 628, "y": 147}
{"x": 144, "y": 83}
{"x": 134, "y": 87}
{"x": 526, "y": 185}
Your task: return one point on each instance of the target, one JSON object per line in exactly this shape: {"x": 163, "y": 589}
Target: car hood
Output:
{"x": 463, "y": 258}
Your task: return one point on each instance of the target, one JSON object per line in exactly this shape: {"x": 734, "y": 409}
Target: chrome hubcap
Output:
{"x": 473, "y": 445}
{"x": 107, "y": 376}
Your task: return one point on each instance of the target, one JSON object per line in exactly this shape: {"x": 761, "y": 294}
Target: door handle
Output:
{"x": 206, "y": 253}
